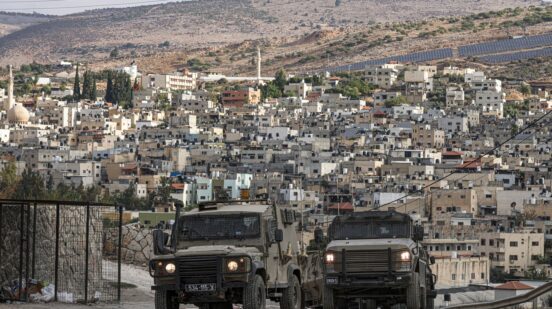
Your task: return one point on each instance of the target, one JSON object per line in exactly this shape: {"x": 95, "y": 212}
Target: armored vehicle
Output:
{"x": 375, "y": 259}
{"x": 235, "y": 253}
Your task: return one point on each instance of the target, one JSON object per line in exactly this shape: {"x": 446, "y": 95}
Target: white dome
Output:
{"x": 18, "y": 114}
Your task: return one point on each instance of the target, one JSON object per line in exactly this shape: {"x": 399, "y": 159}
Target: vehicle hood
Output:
{"x": 217, "y": 250}
{"x": 371, "y": 244}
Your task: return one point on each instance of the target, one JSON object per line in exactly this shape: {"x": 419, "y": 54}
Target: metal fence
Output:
{"x": 59, "y": 246}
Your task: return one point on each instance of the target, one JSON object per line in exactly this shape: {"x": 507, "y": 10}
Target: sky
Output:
{"x": 62, "y": 7}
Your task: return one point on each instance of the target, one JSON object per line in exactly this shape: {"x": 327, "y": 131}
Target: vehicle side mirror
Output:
{"x": 318, "y": 236}
{"x": 279, "y": 235}
{"x": 431, "y": 260}
{"x": 418, "y": 233}
{"x": 160, "y": 240}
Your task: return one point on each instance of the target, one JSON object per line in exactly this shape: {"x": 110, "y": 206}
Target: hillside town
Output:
{"x": 464, "y": 153}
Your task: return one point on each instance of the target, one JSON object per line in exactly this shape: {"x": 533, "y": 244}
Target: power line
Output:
{"x": 472, "y": 162}
{"x": 85, "y": 6}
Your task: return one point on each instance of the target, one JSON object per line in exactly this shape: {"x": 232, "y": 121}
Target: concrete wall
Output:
{"x": 461, "y": 272}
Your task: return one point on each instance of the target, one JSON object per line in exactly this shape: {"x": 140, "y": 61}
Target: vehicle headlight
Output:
{"x": 238, "y": 265}
{"x": 170, "y": 268}
{"x": 330, "y": 258}
{"x": 232, "y": 266}
{"x": 161, "y": 268}
{"x": 405, "y": 256}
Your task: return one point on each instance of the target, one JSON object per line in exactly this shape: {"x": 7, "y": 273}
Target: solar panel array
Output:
{"x": 544, "y": 52}
{"x": 430, "y": 55}
{"x": 506, "y": 45}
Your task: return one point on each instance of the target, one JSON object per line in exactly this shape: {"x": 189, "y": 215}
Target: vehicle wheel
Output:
{"x": 330, "y": 301}
{"x": 413, "y": 297}
{"x": 254, "y": 296}
{"x": 292, "y": 297}
{"x": 423, "y": 298}
{"x": 166, "y": 300}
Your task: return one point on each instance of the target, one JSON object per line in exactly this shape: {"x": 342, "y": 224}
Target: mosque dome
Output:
{"x": 18, "y": 114}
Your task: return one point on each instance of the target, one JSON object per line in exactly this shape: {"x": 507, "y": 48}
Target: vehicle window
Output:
{"x": 205, "y": 227}
{"x": 369, "y": 230}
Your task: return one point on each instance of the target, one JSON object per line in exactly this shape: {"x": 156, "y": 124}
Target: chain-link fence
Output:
{"x": 57, "y": 248}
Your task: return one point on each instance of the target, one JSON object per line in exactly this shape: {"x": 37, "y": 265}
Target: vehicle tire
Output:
{"x": 292, "y": 297}
{"x": 254, "y": 296}
{"x": 165, "y": 300}
{"x": 423, "y": 298}
{"x": 330, "y": 301}
{"x": 413, "y": 297}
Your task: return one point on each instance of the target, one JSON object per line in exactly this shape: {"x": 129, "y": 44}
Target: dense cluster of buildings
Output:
{"x": 456, "y": 163}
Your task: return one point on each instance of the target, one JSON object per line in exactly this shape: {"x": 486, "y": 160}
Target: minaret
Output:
{"x": 9, "y": 103}
{"x": 259, "y": 80}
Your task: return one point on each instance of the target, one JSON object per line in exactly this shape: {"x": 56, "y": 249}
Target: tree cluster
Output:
{"x": 275, "y": 88}
{"x": 32, "y": 186}
{"x": 119, "y": 89}
{"x": 89, "y": 86}
{"x": 353, "y": 88}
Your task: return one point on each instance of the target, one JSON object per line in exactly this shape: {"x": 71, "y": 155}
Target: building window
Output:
{"x": 483, "y": 241}
{"x": 535, "y": 243}
{"x": 482, "y": 275}
{"x": 513, "y": 257}
{"x": 513, "y": 244}
{"x": 473, "y": 276}
{"x": 453, "y": 277}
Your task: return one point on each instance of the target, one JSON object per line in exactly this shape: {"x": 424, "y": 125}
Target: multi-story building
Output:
{"x": 174, "y": 81}
{"x": 384, "y": 76}
{"x": 454, "y": 201}
{"x": 513, "y": 252}
{"x": 426, "y": 137}
{"x": 238, "y": 98}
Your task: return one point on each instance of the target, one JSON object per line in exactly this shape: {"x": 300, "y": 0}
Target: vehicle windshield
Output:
{"x": 206, "y": 227}
{"x": 369, "y": 230}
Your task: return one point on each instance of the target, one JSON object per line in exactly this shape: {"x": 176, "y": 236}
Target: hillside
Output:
{"x": 13, "y": 22}
{"x": 153, "y": 32}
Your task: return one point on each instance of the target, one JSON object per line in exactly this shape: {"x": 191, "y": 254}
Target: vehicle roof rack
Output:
{"x": 213, "y": 205}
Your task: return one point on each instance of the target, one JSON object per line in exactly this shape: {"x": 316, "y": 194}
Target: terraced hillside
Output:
{"x": 153, "y": 32}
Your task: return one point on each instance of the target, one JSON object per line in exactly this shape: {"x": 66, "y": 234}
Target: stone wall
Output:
{"x": 72, "y": 248}
{"x": 137, "y": 244}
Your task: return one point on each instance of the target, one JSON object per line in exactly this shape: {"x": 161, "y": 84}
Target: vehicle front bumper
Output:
{"x": 368, "y": 280}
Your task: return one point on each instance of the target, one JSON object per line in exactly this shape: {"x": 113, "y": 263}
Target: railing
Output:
{"x": 531, "y": 296}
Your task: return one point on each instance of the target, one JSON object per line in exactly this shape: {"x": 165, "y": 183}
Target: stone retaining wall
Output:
{"x": 137, "y": 244}
{"x": 72, "y": 248}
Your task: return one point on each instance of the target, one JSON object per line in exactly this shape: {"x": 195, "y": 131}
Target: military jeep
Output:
{"x": 374, "y": 259}
{"x": 234, "y": 253}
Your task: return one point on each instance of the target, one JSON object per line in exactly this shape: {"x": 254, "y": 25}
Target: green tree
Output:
{"x": 85, "y": 94}
{"x": 93, "y": 91}
{"x": 76, "y": 86}
{"x": 114, "y": 53}
{"x": 31, "y": 186}
{"x": 280, "y": 79}
{"x": 8, "y": 180}
{"x": 109, "y": 97}
{"x": 398, "y": 100}
{"x": 164, "y": 191}
{"x": 525, "y": 89}
{"x": 270, "y": 90}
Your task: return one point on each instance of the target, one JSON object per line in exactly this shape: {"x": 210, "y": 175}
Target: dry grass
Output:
{"x": 299, "y": 35}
